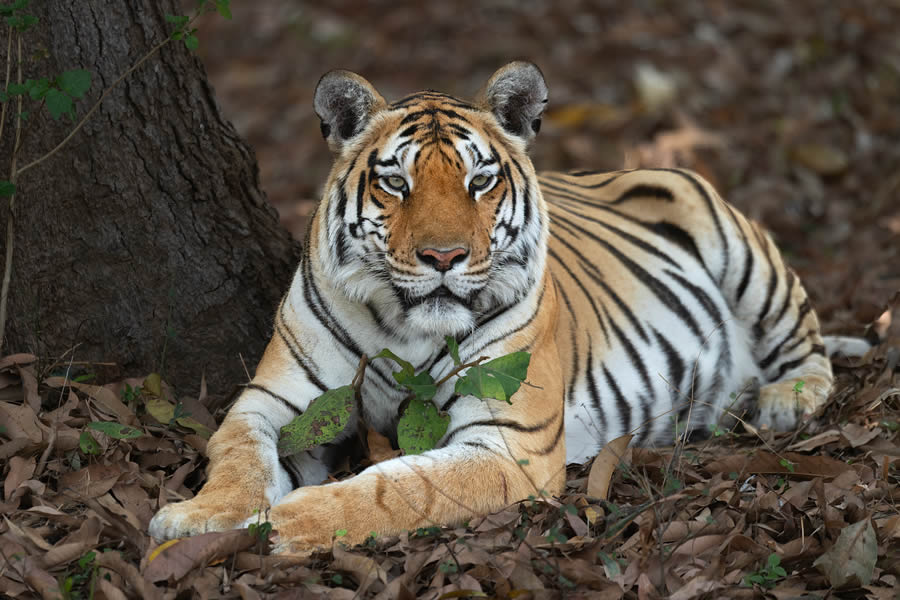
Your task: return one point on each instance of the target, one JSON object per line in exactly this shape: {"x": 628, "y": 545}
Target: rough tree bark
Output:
{"x": 148, "y": 235}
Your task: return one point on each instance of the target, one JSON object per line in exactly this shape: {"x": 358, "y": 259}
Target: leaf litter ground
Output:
{"x": 704, "y": 520}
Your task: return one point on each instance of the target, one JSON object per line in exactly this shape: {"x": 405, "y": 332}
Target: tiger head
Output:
{"x": 432, "y": 216}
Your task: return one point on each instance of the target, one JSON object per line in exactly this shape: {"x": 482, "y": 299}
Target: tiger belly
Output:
{"x": 651, "y": 397}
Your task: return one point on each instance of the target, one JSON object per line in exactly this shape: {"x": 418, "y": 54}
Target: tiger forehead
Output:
{"x": 435, "y": 115}
{"x": 433, "y": 125}
{"x": 428, "y": 98}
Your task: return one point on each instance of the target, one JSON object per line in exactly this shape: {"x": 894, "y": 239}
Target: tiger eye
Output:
{"x": 396, "y": 182}
{"x": 479, "y": 181}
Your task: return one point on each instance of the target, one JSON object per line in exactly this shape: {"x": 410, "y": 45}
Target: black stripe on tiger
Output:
{"x": 773, "y": 355}
{"x": 293, "y": 347}
{"x": 590, "y": 297}
{"x": 504, "y": 424}
{"x": 284, "y": 401}
{"x": 707, "y": 199}
{"x": 593, "y": 389}
{"x": 645, "y": 191}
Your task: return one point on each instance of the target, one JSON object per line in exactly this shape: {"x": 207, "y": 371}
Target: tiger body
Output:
{"x": 644, "y": 300}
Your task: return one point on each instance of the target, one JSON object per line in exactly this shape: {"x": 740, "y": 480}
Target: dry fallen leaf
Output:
{"x": 364, "y": 569}
{"x": 380, "y": 447}
{"x": 851, "y": 561}
{"x": 604, "y": 465}
{"x": 177, "y": 559}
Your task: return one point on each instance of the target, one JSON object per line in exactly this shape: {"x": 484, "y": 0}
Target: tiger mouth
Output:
{"x": 439, "y": 295}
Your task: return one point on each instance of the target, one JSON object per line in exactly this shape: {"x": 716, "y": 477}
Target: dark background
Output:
{"x": 792, "y": 109}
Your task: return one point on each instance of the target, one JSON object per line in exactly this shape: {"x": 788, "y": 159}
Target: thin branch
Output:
{"x": 459, "y": 368}
{"x": 96, "y": 105}
{"x": 10, "y": 218}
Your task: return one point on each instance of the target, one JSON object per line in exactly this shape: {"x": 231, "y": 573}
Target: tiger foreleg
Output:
{"x": 245, "y": 476}
{"x": 242, "y": 478}
{"x": 436, "y": 488}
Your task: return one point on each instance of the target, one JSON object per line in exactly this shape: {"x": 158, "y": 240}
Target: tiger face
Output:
{"x": 433, "y": 217}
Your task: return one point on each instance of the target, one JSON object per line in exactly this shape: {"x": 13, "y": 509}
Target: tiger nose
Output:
{"x": 442, "y": 260}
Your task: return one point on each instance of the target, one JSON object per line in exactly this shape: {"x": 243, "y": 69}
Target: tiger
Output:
{"x": 646, "y": 302}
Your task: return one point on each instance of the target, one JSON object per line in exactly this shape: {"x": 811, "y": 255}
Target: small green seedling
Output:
{"x": 769, "y": 575}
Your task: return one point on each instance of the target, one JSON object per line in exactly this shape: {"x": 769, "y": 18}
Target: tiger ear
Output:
{"x": 344, "y": 102}
{"x": 517, "y": 95}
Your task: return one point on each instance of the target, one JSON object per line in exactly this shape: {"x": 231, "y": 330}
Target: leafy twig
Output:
{"x": 458, "y": 369}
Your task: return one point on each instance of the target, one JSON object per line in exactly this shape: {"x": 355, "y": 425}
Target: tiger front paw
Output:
{"x": 196, "y": 516}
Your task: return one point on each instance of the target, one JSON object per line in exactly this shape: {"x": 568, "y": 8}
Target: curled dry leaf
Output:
{"x": 103, "y": 398}
{"x": 363, "y": 569}
{"x": 177, "y": 559}
{"x": 604, "y": 465}
{"x": 20, "y": 470}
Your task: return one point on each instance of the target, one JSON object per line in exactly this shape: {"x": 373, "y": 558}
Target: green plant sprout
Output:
{"x": 767, "y": 576}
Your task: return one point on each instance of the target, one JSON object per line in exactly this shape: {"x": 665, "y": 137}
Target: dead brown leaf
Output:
{"x": 605, "y": 465}
{"x": 20, "y": 469}
{"x": 380, "y": 447}
{"x": 103, "y": 398}
{"x": 177, "y": 560}
{"x": 796, "y": 465}
{"x": 363, "y": 569}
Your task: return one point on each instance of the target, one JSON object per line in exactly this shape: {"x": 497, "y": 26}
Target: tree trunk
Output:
{"x": 146, "y": 241}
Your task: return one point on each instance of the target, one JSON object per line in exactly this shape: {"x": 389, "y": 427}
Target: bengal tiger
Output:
{"x": 644, "y": 299}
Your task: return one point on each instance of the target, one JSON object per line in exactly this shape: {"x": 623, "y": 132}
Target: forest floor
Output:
{"x": 790, "y": 109}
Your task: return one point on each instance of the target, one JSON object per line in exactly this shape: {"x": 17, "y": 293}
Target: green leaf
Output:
{"x": 10, "y": 9}
{"x": 224, "y": 8}
{"x": 115, "y": 430}
{"x": 172, "y": 414}
{"x": 422, "y": 384}
{"x": 15, "y": 89}
{"x": 87, "y": 444}
{"x": 59, "y": 104}
{"x": 408, "y": 369}
{"x": 7, "y": 188}
{"x": 21, "y": 22}
{"x": 421, "y": 427}
{"x": 75, "y": 82}
{"x": 38, "y": 88}
{"x": 192, "y": 42}
{"x": 177, "y": 19}
{"x": 454, "y": 349}
{"x": 85, "y": 561}
{"x": 499, "y": 378}
{"x": 324, "y": 419}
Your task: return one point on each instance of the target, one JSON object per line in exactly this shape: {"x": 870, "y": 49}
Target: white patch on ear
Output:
{"x": 516, "y": 94}
{"x": 344, "y": 102}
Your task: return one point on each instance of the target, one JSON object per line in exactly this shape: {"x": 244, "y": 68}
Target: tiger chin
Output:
{"x": 646, "y": 301}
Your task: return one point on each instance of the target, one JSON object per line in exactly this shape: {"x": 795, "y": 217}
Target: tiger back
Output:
{"x": 644, "y": 300}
